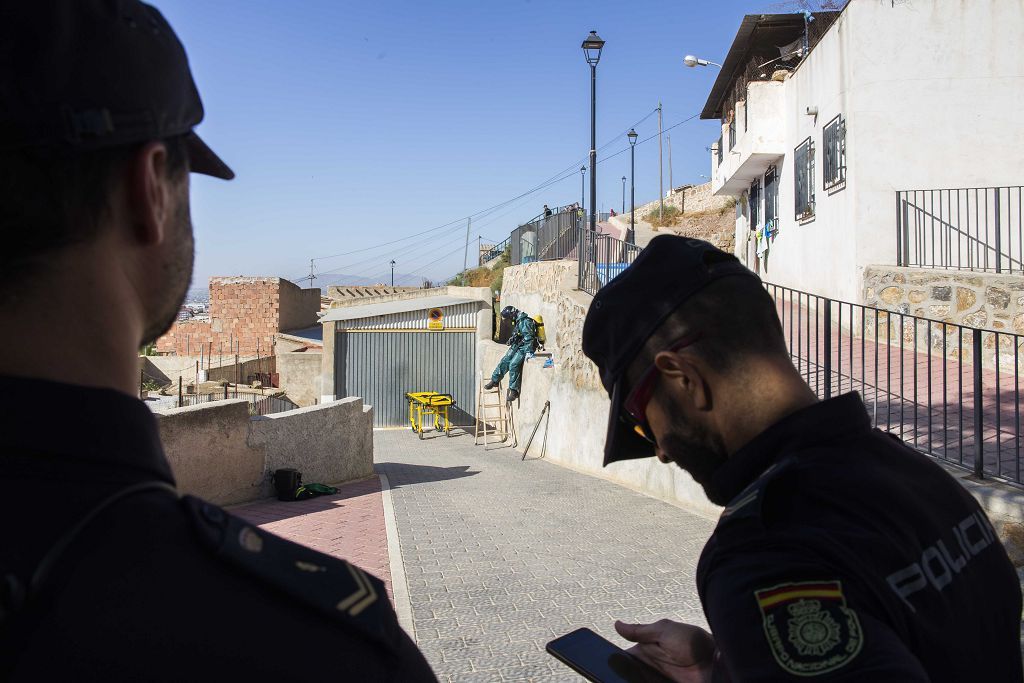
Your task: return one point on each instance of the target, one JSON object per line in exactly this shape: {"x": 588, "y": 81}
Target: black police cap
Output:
{"x": 630, "y": 308}
{"x": 81, "y": 75}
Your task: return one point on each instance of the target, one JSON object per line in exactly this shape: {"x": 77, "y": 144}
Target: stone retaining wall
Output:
{"x": 691, "y": 199}
{"x": 578, "y": 420}
{"x": 986, "y": 301}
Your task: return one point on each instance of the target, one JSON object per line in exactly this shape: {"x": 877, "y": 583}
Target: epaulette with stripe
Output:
{"x": 330, "y": 585}
{"x": 747, "y": 503}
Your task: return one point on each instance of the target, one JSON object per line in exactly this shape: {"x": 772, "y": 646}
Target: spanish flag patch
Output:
{"x": 809, "y": 628}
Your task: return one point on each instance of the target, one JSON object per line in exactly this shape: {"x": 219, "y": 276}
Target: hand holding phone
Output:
{"x": 600, "y": 661}
{"x": 683, "y": 652}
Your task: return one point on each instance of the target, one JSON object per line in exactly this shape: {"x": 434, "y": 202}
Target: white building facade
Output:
{"x": 826, "y": 119}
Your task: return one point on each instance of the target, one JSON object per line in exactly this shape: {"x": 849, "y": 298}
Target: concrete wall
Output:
{"x": 167, "y": 369}
{"x": 219, "y": 453}
{"x": 579, "y": 404}
{"x": 928, "y": 104}
{"x": 300, "y": 375}
{"x": 297, "y": 308}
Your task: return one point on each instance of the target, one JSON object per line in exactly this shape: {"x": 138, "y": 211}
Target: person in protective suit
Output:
{"x": 522, "y": 343}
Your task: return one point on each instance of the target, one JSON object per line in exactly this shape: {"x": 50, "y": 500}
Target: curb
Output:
{"x": 399, "y": 585}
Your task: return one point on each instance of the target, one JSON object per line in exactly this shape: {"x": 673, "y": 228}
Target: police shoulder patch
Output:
{"x": 809, "y": 628}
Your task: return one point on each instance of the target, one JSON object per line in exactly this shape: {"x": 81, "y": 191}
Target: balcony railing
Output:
{"x": 720, "y": 152}
{"x": 602, "y": 257}
{"x": 732, "y": 135}
{"x": 965, "y": 229}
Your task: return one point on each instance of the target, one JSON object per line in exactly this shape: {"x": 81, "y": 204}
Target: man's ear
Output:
{"x": 149, "y": 193}
{"x": 689, "y": 376}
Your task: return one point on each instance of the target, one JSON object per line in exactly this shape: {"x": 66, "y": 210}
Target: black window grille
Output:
{"x": 834, "y": 144}
{"x": 754, "y": 199}
{"x": 719, "y": 151}
{"x": 732, "y": 134}
{"x": 803, "y": 179}
{"x": 771, "y": 198}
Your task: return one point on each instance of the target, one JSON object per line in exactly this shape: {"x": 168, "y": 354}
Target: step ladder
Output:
{"x": 494, "y": 418}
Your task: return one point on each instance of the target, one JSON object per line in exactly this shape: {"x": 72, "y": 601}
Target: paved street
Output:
{"x": 502, "y": 555}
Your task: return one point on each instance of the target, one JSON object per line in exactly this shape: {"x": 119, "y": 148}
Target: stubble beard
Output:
{"x": 176, "y": 274}
{"x": 697, "y": 451}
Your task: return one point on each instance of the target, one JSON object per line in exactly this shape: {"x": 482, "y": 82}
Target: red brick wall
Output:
{"x": 243, "y": 313}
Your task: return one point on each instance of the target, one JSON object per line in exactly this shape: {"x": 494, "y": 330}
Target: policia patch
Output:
{"x": 809, "y": 628}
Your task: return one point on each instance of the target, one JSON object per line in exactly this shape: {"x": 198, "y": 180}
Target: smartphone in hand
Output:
{"x": 600, "y": 661}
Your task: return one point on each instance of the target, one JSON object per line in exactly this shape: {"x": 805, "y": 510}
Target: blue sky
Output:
{"x": 354, "y": 124}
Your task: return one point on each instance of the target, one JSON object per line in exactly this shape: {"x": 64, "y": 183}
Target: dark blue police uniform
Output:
{"x": 153, "y": 587}
{"x": 847, "y": 555}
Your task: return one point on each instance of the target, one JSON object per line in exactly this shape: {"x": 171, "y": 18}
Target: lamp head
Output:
{"x": 592, "y": 47}
{"x": 632, "y": 135}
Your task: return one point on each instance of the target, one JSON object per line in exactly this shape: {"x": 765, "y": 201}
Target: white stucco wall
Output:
{"x": 932, "y": 92}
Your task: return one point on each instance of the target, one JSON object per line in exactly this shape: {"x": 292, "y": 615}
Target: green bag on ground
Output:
{"x": 313, "y": 490}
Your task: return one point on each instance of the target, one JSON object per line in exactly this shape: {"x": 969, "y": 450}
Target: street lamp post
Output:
{"x": 592, "y": 47}
{"x": 623, "y": 194}
{"x": 583, "y": 173}
{"x": 631, "y": 236}
{"x": 392, "y": 272}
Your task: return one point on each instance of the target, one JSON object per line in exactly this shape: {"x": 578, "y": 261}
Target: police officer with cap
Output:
{"x": 841, "y": 553}
{"x": 106, "y": 573}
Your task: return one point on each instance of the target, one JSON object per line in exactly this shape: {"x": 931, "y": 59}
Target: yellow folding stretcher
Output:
{"x": 424, "y": 404}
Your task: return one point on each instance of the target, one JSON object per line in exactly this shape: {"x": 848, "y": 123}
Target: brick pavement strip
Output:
{"x": 502, "y": 555}
{"x": 348, "y": 524}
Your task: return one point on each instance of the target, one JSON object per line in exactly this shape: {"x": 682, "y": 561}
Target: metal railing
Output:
{"x": 602, "y": 257}
{"x": 732, "y": 135}
{"x": 948, "y": 390}
{"x": 258, "y": 403}
{"x": 495, "y": 251}
{"x": 546, "y": 238}
{"x": 965, "y": 229}
{"x": 719, "y": 151}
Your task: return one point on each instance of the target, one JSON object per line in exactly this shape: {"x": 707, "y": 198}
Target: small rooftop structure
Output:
{"x": 345, "y": 292}
{"x": 372, "y": 310}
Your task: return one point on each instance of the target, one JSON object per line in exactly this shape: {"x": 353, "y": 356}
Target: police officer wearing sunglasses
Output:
{"x": 841, "y": 553}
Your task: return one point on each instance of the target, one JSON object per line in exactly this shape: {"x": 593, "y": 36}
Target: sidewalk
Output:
{"x": 349, "y": 525}
{"x": 503, "y": 555}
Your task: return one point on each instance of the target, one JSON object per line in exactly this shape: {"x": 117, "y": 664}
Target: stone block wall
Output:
{"x": 692, "y": 199}
{"x": 986, "y": 301}
{"x": 245, "y": 314}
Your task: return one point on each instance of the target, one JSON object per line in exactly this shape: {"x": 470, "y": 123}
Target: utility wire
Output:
{"x": 454, "y": 225}
{"x": 558, "y": 177}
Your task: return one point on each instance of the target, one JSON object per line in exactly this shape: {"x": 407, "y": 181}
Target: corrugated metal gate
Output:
{"x": 382, "y": 366}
